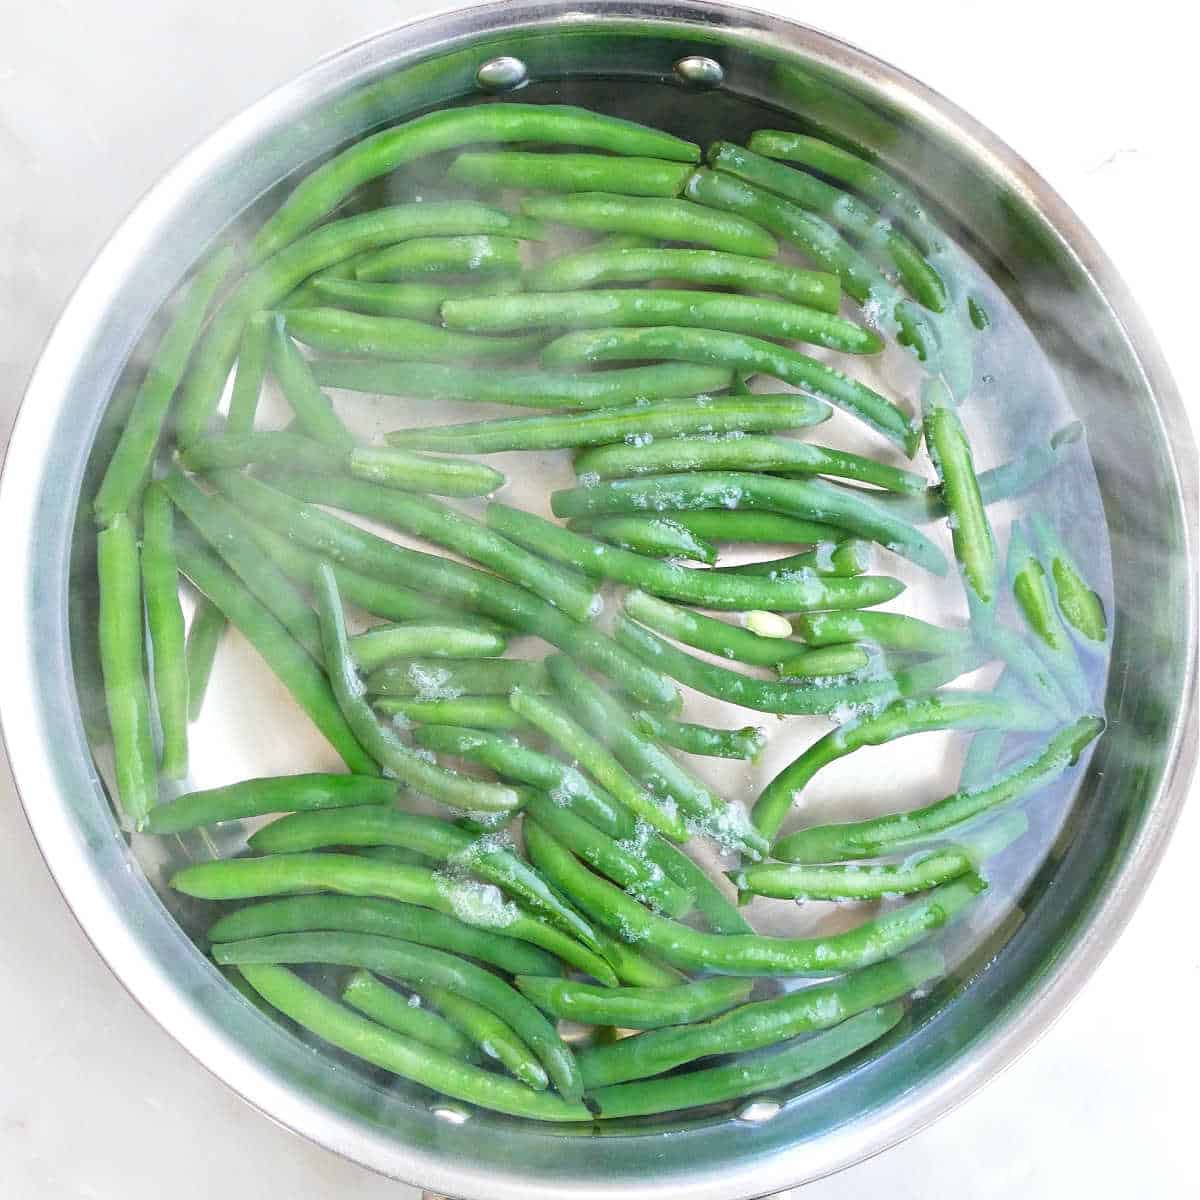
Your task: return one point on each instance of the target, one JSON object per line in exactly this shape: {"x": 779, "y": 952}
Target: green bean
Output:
{"x": 427, "y": 518}
{"x": 765, "y": 1023}
{"x": 670, "y": 220}
{"x": 704, "y": 812}
{"x": 415, "y": 966}
{"x": 273, "y": 794}
{"x": 389, "y": 918}
{"x": 970, "y": 529}
{"x": 737, "y": 351}
{"x": 336, "y": 331}
{"x": 808, "y": 499}
{"x": 395, "y": 854}
{"x": 422, "y": 257}
{"x": 417, "y": 301}
{"x": 313, "y": 410}
{"x": 164, "y": 622}
{"x": 131, "y": 460}
{"x": 654, "y": 306}
{"x": 523, "y": 388}
{"x": 435, "y": 639}
{"x": 826, "y": 558}
{"x": 450, "y": 582}
{"x": 649, "y": 535}
{"x": 492, "y": 1035}
{"x": 883, "y": 835}
{"x": 381, "y": 153}
{"x": 227, "y": 532}
{"x": 742, "y": 743}
{"x": 121, "y": 658}
{"x": 848, "y": 168}
{"x": 843, "y": 210}
{"x": 633, "y": 1007}
{"x": 605, "y": 264}
{"x": 489, "y": 857}
{"x": 1023, "y": 662}
{"x": 276, "y": 448}
{"x": 733, "y": 526}
{"x": 381, "y": 1003}
{"x": 273, "y": 280}
{"x": 203, "y": 637}
{"x": 420, "y": 473}
{"x": 751, "y": 954}
{"x": 641, "y": 879}
{"x": 1080, "y": 606}
{"x": 783, "y": 697}
{"x": 949, "y": 710}
{"x": 471, "y": 712}
{"x": 432, "y": 679}
{"x": 1035, "y": 601}
{"x": 707, "y": 633}
{"x": 251, "y": 370}
{"x": 380, "y": 740}
{"x": 665, "y": 418}
{"x": 890, "y": 631}
{"x": 592, "y": 755}
{"x": 736, "y": 452}
{"x": 569, "y": 172}
{"x": 682, "y": 583}
{"x": 825, "y": 662}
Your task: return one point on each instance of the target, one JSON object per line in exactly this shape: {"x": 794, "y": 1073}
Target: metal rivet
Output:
{"x": 502, "y": 74}
{"x": 700, "y": 72}
{"x": 758, "y": 1111}
{"x": 451, "y": 1113}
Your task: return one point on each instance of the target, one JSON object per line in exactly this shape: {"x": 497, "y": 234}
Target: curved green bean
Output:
{"x": 313, "y": 409}
{"x": 424, "y": 638}
{"x": 890, "y": 631}
{"x": 470, "y": 712}
{"x": 418, "y": 301}
{"x": 383, "y": 1004}
{"x": 651, "y": 536}
{"x": 420, "y": 473}
{"x": 203, "y": 637}
{"x": 704, "y": 740}
{"x": 710, "y": 268}
{"x": 630, "y": 176}
{"x": 637, "y": 422}
{"x": 419, "y": 258}
{"x": 1080, "y": 606}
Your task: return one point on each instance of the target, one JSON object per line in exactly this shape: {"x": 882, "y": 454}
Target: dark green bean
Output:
{"x": 471, "y": 712}
{"x": 1080, "y": 606}
{"x": 439, "y": 640}
{"x": 421, "y": 257}
{"x": 633, "y": 1007}
{"x": 393, "y": 1010}
{"x": 733, "y": 526}
{"x": 273, "y": 794}
{"x": 203, "y": 637}
{"x": 420, "y": 473}
{"x": 665, "y": 418}
{"x": 417, "y": 301}
{"x": 891, "y": 631}
{"x": 649, "y": 535}
{"x": 670, "y": 220}
{"x": 608, "y": 264}
{"x": 523, "y": 388}
{"x": 312, "y": 408}
{"x": 381, "y": 153}
{"x": 710, "y": 588}
{"x": 129, "y": 466}
{"x": 883, "y": 835}
{"x": 388, "y": 918}
{"x": 702, "y": 739}
{"x": 569, "y": 172}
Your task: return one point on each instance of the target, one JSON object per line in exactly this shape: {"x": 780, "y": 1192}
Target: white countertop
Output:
{"x": 96, "y": 100}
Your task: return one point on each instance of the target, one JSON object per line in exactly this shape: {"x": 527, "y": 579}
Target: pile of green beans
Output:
{"x": 556, "y": 883}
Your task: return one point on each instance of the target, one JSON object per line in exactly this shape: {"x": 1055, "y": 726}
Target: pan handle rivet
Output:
{"x": 697, "y": 71}
{"x": 502, "y": 74}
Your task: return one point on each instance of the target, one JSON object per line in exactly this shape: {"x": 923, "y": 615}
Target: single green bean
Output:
{"x": 483, "y": 254}
{"x": 704, "y": 740}
{"x": 449, "y": 581}
{"x": 164, "y": 622}
{"x": 272, "y": 794}
{"x": 682, "y": 583}
{"x": 825, "y": 662}
{"x": 652, "y": 536}
{"x": 313, "y": 409}
{"x": 203, "y": 637}
{"x": 277, "y": 448}
{"x": 737, "y": 351}
{"x": 470, "y": 712}
{"x": 438, "y": 640}
{"x": 670, "y": 220}
{"x": 388, "y": 918}
{"x": 380, "y": 740}
{"x": 851, "y": 557}
{"x": 523, "y": 388}
{"x": 633, "y": 1007}
{"x": 736, "y": 452}
{"x": 417, "y": 301}
{"x": 393, "y": 1010}
{"x": 606, "y": 264}
{"x": 808, "y": 499}
{"x": 121, "y": 659}
{"x": 569, "y": 172}
{"x": 1022, "y": 661}
{"x": 752, "y": 954}
{"x": 732, "y": 526}
{"x": 129, "y": 466}
{"x": 421, "y": 473}
{"x": 381, "y": 153}
{"x": 883, "y": 835}
{"x": 427, "y": 518}
{"x": 766, "y": 318}
{"x": 637, "y": 422}
{"x": 395, "y": 854}
{"x": 251, "y": 370}
{"x": 433, "y": 679}
{"x": 1080, "y": 606}
{"x": 890, "y": 631}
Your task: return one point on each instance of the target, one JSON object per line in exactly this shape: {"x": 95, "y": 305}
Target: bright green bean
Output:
{"x": 569, "y": 172}
{"x": 471, "y": 712}
{"x": 606, "y": 264}
{"x": 203, "y": 637}
{"x": 826, "y": 558}
{"x": 420, "y": 473}
{"x": 1081, "y": 607}
{"x": 417, "y": 301}
{"x": 422, "y": 257}
{"x": 742, "y": 743}
{"x": 129, "y": 466}
{"x": 251, "y": 370}
{"x": 383, "y": 1004}
{"x": 633, "y": 1007}
{"x": 277, "y": 448}
{"x": 424, "y": 638}
{"x": 825, "y": 662}
{"x": 890, "y": 631}
{"x": 883, "y": 835}
{"x": 313, "y": 409}
{"x": 652, "y": 536}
